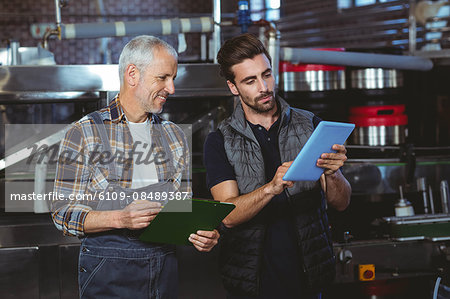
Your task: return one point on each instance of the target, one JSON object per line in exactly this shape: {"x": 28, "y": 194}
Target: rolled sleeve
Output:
{"x": 72, "y": 177}
{"x": 70, "y": 219}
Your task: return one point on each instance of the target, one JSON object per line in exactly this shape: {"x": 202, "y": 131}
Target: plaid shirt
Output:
{"x": 81, "y": 172}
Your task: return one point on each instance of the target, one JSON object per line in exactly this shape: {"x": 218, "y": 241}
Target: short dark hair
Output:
{"x": 236, "y": 50}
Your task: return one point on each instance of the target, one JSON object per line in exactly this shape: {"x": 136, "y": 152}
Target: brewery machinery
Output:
{"x": 401, "y": 141}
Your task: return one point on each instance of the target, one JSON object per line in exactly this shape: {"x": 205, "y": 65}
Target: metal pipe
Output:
{"x": 356, "y": 59}
{"x": 47, "y": 34}
{"x": 437, "y": 19}
{"x": 105, "y": 52}
{"x": 329, "y": 12}
{"x": 40, "y": 179}
{"x": 346, "y": 29}
{"x": 14, "y": 53}
{"x": 350, "y": 39}
{"x": 444, "y": 196}
{"x": 273, "y": 47}
{"x": 292, "y": 22}
{"x": 56, "y": 31}
{"x": 430, "y": 194}
{"x": 203, "y": 47}
{"x": 441, "y": 29}
{"x": 57, "y": 13}
{"x": 422, "y": 189}
{"x": 412, "y": 27}
{"x": 216, "y": 34}
{"x": 155, "y": 27}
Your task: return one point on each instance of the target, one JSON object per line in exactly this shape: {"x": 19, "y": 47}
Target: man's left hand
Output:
{"x": 204, "y": 240}
{"x": 331, "y": 162}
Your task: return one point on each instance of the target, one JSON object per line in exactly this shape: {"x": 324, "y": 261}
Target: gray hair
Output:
{"x": 139, "y": 51}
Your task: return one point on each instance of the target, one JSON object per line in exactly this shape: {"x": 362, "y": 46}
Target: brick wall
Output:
{"x": 17, "y": 17}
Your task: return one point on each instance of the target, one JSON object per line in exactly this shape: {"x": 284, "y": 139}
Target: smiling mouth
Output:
{"x": 161, "y": 98}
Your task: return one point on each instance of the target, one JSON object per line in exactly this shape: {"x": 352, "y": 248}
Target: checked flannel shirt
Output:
{"x": 78, "y": 173}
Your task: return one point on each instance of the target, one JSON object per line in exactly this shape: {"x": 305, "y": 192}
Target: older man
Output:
{"x": 115, "y": 159}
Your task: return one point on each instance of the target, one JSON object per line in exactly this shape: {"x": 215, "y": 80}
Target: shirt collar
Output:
{"x": 118, "y": 115}
{"x": 272, "y": 128}
{"x": 116, "y": 110}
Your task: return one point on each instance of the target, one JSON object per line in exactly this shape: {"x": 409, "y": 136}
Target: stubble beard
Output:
{"x": 149, "y": 107}
{"x": 260, "y": 108}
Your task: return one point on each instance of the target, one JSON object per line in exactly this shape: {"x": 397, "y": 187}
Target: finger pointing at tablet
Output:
{"x": 278, "y": 184}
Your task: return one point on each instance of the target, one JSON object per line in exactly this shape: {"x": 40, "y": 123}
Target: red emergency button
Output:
{"x": 368, "y": 274}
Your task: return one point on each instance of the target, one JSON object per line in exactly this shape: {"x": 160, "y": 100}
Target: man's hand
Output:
{"x": 277, "y": 185}
{"x": 336, "y": 187}
{"x": 331, "y": 162}
{"x": 250, "y": 204}
{"x": 204, "y": 240}
{"x": 139, "y": 214}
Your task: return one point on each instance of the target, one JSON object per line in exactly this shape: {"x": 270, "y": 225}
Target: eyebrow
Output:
{"x": 254, "y": 77}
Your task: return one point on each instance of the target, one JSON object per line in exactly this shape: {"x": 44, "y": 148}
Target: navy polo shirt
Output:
{"x": 280, "y": 274}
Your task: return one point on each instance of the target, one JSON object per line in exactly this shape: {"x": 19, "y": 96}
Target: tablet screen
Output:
{"x": 326, "y": 134}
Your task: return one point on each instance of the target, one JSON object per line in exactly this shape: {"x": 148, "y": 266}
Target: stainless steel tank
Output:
{"x": 379, "y": 125}
{"x": 312, "y": 77}
{"x": 376, "y": 78}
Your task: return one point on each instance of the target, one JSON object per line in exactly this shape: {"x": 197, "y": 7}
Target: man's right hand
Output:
{"x": 248, "y": 205}
{"x": 277, "y": 185}
{"x": 139, "y": 214}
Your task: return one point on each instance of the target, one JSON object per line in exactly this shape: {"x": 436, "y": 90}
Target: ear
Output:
{"x": 131, "y": 75}
{"x": 232, "y": 88}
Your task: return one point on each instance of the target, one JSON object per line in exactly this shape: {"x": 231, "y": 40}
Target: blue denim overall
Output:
{"x": 116, "y": 264}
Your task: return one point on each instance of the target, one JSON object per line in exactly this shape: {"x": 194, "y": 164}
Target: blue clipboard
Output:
{"x": 321, "y": 140}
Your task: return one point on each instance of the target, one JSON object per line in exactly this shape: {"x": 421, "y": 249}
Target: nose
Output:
{"x": 262, "y": 85}
{"x": 170, "y": 86}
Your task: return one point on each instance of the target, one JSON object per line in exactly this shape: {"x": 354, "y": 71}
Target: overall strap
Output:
{"x": 98, "y": 121}
{"x": 156, "y": 119}
{"x": 158, "y": 133}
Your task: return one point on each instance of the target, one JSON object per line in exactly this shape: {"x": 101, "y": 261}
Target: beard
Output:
{"x": 150, "y": 107}
{"x": 258, "y": 107}
{"x": 147, "y": 104}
